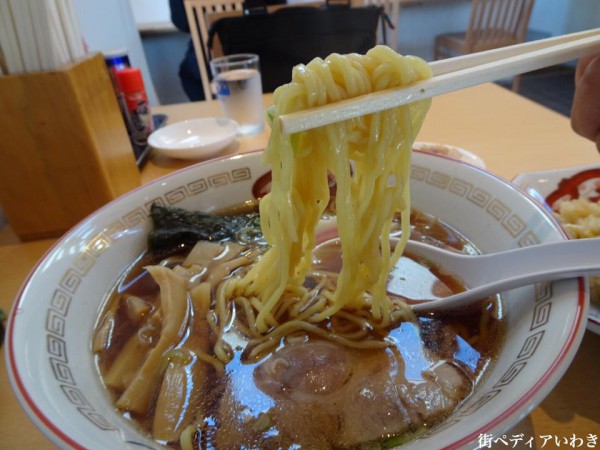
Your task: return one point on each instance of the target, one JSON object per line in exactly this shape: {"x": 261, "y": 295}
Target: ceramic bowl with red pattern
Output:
{"x": 49, "y": 334}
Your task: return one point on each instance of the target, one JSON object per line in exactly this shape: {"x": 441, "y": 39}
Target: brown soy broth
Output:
{"x": 136, "y": 281}
{"x": 460, "y": 340}
{"x": 469, "y": 338}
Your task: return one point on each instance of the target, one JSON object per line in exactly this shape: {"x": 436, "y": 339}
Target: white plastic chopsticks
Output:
{"x": 38, "y": 35}
{"x": 451, "y": 75}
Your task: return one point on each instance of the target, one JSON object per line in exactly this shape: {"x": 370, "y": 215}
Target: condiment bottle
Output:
{"x": 116, "y": 60}
{"x": 131, "y": 85}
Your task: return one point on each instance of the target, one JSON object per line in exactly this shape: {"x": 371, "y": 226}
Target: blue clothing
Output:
{"x": 189, "y": 72}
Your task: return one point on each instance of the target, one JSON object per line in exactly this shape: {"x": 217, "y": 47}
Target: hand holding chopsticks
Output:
{"x": 451, "y": 75}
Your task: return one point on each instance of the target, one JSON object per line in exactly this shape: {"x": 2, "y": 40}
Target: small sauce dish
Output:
{"x": 195, "y": 138}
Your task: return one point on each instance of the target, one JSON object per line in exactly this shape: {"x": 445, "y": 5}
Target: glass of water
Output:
{"x": 237, "y": 83}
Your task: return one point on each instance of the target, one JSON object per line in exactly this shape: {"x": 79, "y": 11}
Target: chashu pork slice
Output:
{"x": 351, "y": 396}
{"x": 328, "y": 396}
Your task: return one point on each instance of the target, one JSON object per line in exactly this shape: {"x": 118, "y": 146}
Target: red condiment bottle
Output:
{"x": 131, "y": 85}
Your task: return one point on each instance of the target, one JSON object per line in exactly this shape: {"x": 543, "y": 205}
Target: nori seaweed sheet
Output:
{"x": 177, "y": 227}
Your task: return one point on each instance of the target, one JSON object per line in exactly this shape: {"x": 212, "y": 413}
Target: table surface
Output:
{"x": 510, "y": 133}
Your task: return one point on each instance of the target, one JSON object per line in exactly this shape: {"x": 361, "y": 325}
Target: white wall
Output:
{"x": 419, "y": 24}
{"x": 582, "y": 15}
{"x": 152, "y": 14}
{"x": 108, "y": 25}
{"x": 565, "y": 16}
{"x": 549, "y": 16}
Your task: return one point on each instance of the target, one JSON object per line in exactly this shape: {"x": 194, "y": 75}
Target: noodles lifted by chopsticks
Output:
{"x": 370, "y": 159}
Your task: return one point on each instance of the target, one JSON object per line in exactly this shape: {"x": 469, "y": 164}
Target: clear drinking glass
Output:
{"x": 237, "y": 83}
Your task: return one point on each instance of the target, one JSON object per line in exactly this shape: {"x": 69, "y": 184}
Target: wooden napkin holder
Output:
{"x": 65, "y": 149}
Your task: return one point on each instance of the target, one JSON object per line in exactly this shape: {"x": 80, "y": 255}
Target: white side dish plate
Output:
{"x": 549, "y": 186}
{"x": 195, "y": 138}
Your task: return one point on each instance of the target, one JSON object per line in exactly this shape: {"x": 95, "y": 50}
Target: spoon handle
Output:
{"x": 489, "y": 274}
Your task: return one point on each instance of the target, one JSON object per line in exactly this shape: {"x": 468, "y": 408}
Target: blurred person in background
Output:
{"x": 189, "y": 72}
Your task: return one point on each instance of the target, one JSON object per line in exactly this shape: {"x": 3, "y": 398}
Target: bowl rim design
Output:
{"x": 434, "y": 178}
{"x": 548, "y": 186}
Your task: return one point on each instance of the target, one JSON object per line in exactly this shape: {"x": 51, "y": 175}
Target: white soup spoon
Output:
{"x": 493, "y": 273}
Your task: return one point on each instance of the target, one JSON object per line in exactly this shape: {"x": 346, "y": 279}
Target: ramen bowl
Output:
{"x": 49, "y": 333}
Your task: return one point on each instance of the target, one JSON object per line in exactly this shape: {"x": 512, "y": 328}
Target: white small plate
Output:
{"x": 195, "y": 138}
{"x": 450, "y": 151}
{"x": 549, "y": 186}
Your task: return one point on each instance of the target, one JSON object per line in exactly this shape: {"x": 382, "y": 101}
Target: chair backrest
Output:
{"x": 497, "y": 23}
{"x": 200, "y": 16}
{"x": 387, "y": 32}
{"x": 292, "y": 36}
{"x": 198, "y": 13}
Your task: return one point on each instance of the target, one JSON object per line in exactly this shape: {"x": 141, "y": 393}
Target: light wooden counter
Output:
{"x": 511, "y": 134}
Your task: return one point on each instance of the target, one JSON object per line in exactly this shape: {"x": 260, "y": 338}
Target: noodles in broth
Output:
{"x": 265, "y": 313}
{"x": 370, "y": 159}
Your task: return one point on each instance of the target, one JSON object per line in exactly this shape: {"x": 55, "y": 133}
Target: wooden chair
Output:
{"x": 296, "y": 35}
{"x": 202, "y": 13}
{"x": 199, "y": 14}
{"x": 493, "y": 24}
{"x": 388, "y": 30}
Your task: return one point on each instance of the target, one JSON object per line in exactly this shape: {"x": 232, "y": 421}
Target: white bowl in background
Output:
{"x": 450, "y": 151}
{"x": 550, "y": 186}
{"x": 48, "y": 350}
{"x": 194, "y": 138}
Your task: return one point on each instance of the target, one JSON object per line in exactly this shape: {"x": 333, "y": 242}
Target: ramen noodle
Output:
{"x": 370, "y": 159}
{"x": 262, "y": 343}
